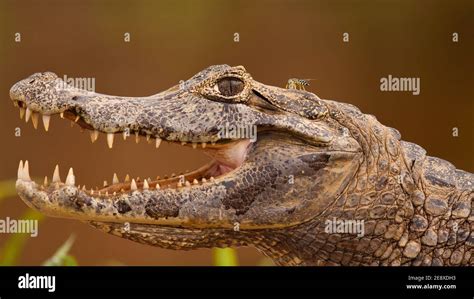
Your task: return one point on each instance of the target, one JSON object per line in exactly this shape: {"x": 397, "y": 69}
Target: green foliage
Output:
{"x": 11, "y": 250}
{"x": 61, "y": 256}
{"x": 7, "y": 189}
{"x": 14, "y": 245}
{"x": 224, "y": 257}
{"x": 70, "y": 260}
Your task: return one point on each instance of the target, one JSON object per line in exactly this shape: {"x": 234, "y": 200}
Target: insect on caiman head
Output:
{"x": 279, "y": 159}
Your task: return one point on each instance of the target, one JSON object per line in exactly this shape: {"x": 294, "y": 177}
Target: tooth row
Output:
{"x": 111, "y": 136}
{"x": 34, "y": 116}
{"x": 24, "y": 174}
{"x": 146, "y": 185}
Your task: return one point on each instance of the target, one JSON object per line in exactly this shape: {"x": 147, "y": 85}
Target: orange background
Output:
{"x": 172, "y": 40}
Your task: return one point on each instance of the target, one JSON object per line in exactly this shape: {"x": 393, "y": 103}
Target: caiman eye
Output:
{"x": 230, "y": 86}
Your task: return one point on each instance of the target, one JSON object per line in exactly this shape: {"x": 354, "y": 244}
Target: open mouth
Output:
{"x": 227, "y": 155}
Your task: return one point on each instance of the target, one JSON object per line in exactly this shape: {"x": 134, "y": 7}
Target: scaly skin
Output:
{"x": 313, "y": 160}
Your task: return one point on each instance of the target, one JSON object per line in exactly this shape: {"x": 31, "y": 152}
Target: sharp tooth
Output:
{"x": 115, "y": 193}
{"x": 26, "y": 171}
{"x": 127, "y": 178}
{"x": 45, "y": 182}
{"x": 137, "y": 137}
{"x": 20, "y": 170}
{"x": 145, "y": 185}
{"x": 115, "y": 179}
{"x": 94, "y": 135}
{"x": 158, "y": 142}
{"x": 92, "y": 191}
{"x": 77, "y": 118}
{"x": 195, "y": 182}
{"x": 22, "y": 112}
{"x": 148, "y": 137}
{"x": 61, "y": 114}
{"x": 133, "y": 185}
{"x": 203, "y": 145}
{"x": 106, "y": 193}
{"x": 213, "y": 143}
{"x": 194, "y": 145}
{"x": 157, "y": 177}
{"x": 183, "y": 142}
{"x": 125, "y": 135}
{"x": 212, "y": 179}
{"x": 105, "y": 183}
{"x": 56, "y": 178}
{"x": 157, "y": 186}
{"x": 204, "y": 180}
{"x": 46, "y": 119}
{"x": 84, "y": 188}
{"x": 70, "y": 179}
{"x": 100, "y": 193}
{"x": 110, "y": 139}
{"x": 34, "y": 119}
{"x": 179, "y": 184}
{"x": 187, "y": 184}
{"x": 28, "y": 114}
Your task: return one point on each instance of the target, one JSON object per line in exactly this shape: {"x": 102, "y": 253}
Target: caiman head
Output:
{"x": 278, "y": 159}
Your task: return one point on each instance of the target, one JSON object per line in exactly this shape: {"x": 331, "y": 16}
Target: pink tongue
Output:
{"x": 229, "y": 156}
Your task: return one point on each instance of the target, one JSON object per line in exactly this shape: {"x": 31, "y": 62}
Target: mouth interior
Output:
{"x": 227, "y": 155}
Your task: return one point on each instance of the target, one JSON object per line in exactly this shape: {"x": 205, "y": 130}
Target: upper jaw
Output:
{"x": 174, "y": 115}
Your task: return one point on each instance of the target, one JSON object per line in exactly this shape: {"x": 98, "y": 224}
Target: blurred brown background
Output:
{"x": 172, "y": 40}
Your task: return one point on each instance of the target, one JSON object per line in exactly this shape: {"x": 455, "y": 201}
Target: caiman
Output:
{"x": 314, "y": 161}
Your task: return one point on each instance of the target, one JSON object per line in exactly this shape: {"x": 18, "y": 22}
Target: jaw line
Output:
{"x": 58, "y": 199}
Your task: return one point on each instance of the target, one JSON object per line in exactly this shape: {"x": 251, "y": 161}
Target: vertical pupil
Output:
{"x": 230, "y": 86}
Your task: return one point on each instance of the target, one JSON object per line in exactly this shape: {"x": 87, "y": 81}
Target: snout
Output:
{"x": 42, "y": 92}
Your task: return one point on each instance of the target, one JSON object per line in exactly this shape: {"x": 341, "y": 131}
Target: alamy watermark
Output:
{"x": 231, "y": 131}
{"x": 28, "y": 281}
{"x": 19, "y": 226}
{"x": 343, "y": 226}
{"x": 391, "y": 83}
{"x": 84, "y": 83}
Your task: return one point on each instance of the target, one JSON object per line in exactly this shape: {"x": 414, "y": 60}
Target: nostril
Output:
{"x": 32, "y": 81}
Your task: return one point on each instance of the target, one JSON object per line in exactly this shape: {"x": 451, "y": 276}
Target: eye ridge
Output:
{"x": 230, "y": 86}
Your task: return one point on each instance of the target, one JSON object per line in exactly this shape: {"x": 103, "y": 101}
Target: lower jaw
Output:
{"x": 227, "y": 157}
